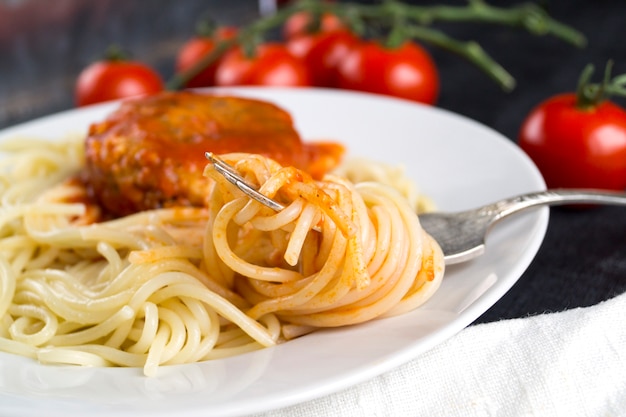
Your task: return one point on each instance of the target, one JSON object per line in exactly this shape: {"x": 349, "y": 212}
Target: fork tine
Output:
{"x": 228, "y": 172}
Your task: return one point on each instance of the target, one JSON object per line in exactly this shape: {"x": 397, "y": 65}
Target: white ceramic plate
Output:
{"x": 456, "y": 161}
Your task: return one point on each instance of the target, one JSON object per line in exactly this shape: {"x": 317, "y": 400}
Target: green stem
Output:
{"x": 115, "y": 53}
{"x": 179, "y": 80}
{"x": 470, "y": 50}
{"x": 247, "y": 37}
{"x": 415, "y": 21}
{"x": 527, "y": 16}
{"x": 590, "y": 95}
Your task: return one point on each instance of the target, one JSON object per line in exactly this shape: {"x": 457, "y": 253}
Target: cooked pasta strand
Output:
{"x": 180, "y": 285}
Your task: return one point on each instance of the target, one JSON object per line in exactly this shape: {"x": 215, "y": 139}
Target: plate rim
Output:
{"x": 540, "y": 224}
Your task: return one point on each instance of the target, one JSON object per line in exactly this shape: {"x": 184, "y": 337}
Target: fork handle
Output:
{"x": 555, "y": 197}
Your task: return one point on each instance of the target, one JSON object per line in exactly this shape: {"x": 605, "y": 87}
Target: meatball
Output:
{"x": 150, "y": 152}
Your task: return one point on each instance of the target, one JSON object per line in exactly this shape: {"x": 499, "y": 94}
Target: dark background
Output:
{"x": 583, "y": 258}
{"x": 44, "y": 44}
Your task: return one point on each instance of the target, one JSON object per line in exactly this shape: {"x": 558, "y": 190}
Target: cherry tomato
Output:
{"x": 574, "y": 147}
{"x": 272, "y": 64}
{"x": 195, "y": 49}
{"x": 300, "y": 24}
{"x": 322, "y": 53}
{"x": 114, "y": 79}
{"x": 407, "y": 71}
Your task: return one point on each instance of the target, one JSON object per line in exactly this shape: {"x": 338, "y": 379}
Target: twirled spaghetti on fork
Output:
{"x": 370, "y": 257}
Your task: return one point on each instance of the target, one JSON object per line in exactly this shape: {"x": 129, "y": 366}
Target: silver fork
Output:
{"x": 461, "y": 235}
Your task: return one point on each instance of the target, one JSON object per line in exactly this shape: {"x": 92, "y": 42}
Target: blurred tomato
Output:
{"x": 322, "y": 53}
{"x": 576, "y": 147}
{"x": 272, "y": 64}
{"x": 302, "y": 23}
{"x": 407, "y": 71}
{"x": 112, "y": 79}
{"x": 197, "y": 48}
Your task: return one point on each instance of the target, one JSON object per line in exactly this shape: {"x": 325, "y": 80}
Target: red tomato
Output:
{"x": 577, "y": 148}
{"x": 195, "y": 49}
{"x": 299, "y": 24}
{"x": 114, "y": 79}
{"x": 272, "y": 65}
{"x": 322, "y": 53}
{"x": 407, "y": 71}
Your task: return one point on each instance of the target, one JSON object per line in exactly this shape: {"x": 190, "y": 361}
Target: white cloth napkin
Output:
{"x": 569, "y": 364}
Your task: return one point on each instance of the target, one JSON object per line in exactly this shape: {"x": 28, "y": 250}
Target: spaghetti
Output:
{"x": 181, "y": 285}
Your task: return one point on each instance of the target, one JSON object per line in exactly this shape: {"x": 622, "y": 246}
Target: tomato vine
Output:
{"x": 403, "y": 22}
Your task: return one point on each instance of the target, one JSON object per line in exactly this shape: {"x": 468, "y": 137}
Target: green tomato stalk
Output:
{"x": 590, "y": 95}
{"x": 403, "y": 22}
